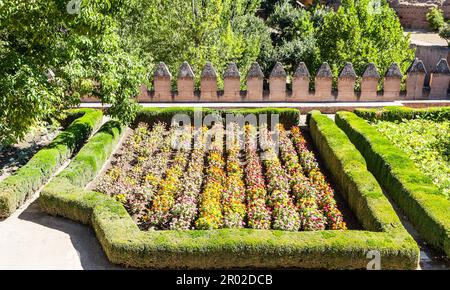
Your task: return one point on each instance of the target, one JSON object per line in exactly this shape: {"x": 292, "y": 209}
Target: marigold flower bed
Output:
{"x": 182, "y": 178}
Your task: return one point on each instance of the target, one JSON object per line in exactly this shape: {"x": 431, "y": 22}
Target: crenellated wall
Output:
{"x": 412, "y": 13}
{"x": 301, "y": 79}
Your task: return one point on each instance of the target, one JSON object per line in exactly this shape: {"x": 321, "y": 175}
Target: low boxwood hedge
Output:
{"x": 125, "y": 244}
{"x": 83, "y": 169}
{"x": 397, "y": 113}
{"x": 348, "y": 168}
{"x": 410, "y": 189}
{"x": 16, "y": 188}
{"x": 287, "y": 116}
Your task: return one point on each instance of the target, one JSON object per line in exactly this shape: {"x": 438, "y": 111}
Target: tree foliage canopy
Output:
{"x": 360, "y": 31}
{"x": 219, "y": 31}
{"x": 51, "y": 56}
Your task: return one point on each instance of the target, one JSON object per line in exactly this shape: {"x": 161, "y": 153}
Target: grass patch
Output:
{"x": 427, "y": 143}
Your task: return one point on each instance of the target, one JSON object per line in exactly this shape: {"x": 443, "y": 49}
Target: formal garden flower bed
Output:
{"x": 407, "y": 151}
{"x": 258, "y": 202}
{"x": 167, "y": 177}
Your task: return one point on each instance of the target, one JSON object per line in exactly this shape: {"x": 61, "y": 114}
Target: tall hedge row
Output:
{"x": 288, "y": 117}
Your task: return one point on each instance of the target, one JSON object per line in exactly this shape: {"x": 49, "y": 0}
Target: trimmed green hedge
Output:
{"x": 125, "y": 244}
{"x": 349, "y": 170}
{"x": 288, "y": 117}
{"x": 411, "y": 190}
{"x": 83, "y": 169}
{"x": 397, "y": 113}
{"x": 15, "y": 189}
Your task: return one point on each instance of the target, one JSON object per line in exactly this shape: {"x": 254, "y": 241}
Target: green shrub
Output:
{"x": 410, "y": 189}
{"x": 396, "y": 113}
{"x": 348, "y": 168}
{"x": 15, "y": 189}
{"x": 444, "y": 32}
{"x": 88, "y": 162}
{"x": 83, "y": 168}
{"x": 435, "y": 18}
{"x": 287, "y": 117}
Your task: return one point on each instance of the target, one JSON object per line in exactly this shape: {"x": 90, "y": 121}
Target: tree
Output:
{"x": 444, "y": 32}
{"x": 218, "y": 31}
{"x": 360, "y": 33}
{"x": 51, "y": 54}
{"x": 435, "y": 18}
{"x": 293, "y": 36}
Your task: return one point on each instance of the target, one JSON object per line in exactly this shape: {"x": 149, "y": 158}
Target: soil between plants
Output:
{"x": 12, "y": 157}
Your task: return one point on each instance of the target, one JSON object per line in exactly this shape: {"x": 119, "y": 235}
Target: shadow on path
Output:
{"x": 82, "y": 237}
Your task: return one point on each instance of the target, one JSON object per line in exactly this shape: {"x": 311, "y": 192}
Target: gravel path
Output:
{"x": 426, "y": 38}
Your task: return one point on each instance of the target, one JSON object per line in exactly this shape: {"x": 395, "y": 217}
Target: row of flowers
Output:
{"x": 185, "y": 208}
{"x": 325, "y": 195}
{"x": 124, "y": 180}
{"x": 210, "y": 214}
{"x": 154, "y": 168}
{"x": 159, "y": 213}
{"x": 258, "y": 213}
{"x": 311, "y": 218}
{"x": 233, "y": 197}
{"x": 285, "y": 214}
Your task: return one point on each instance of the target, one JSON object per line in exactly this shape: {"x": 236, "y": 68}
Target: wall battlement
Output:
{"x": 301, "y": 82}
{"x": 412, "y": 13}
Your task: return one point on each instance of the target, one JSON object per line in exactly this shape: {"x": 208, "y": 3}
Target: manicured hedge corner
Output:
{"x": 410, "y": 189}
{"x": 358, "y": 186}
{"x": 15, "y": 189}
{"x": 397, "y": 113}
{"x": 126, "y": 245}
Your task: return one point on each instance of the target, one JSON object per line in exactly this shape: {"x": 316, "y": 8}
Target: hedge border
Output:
{"x": 125, "y": 244}
{"x": 398, "y": 113}
{"x": 15, "y": 189}
{"x": 288, "y": 116}
{"x": 410, "y": 189}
